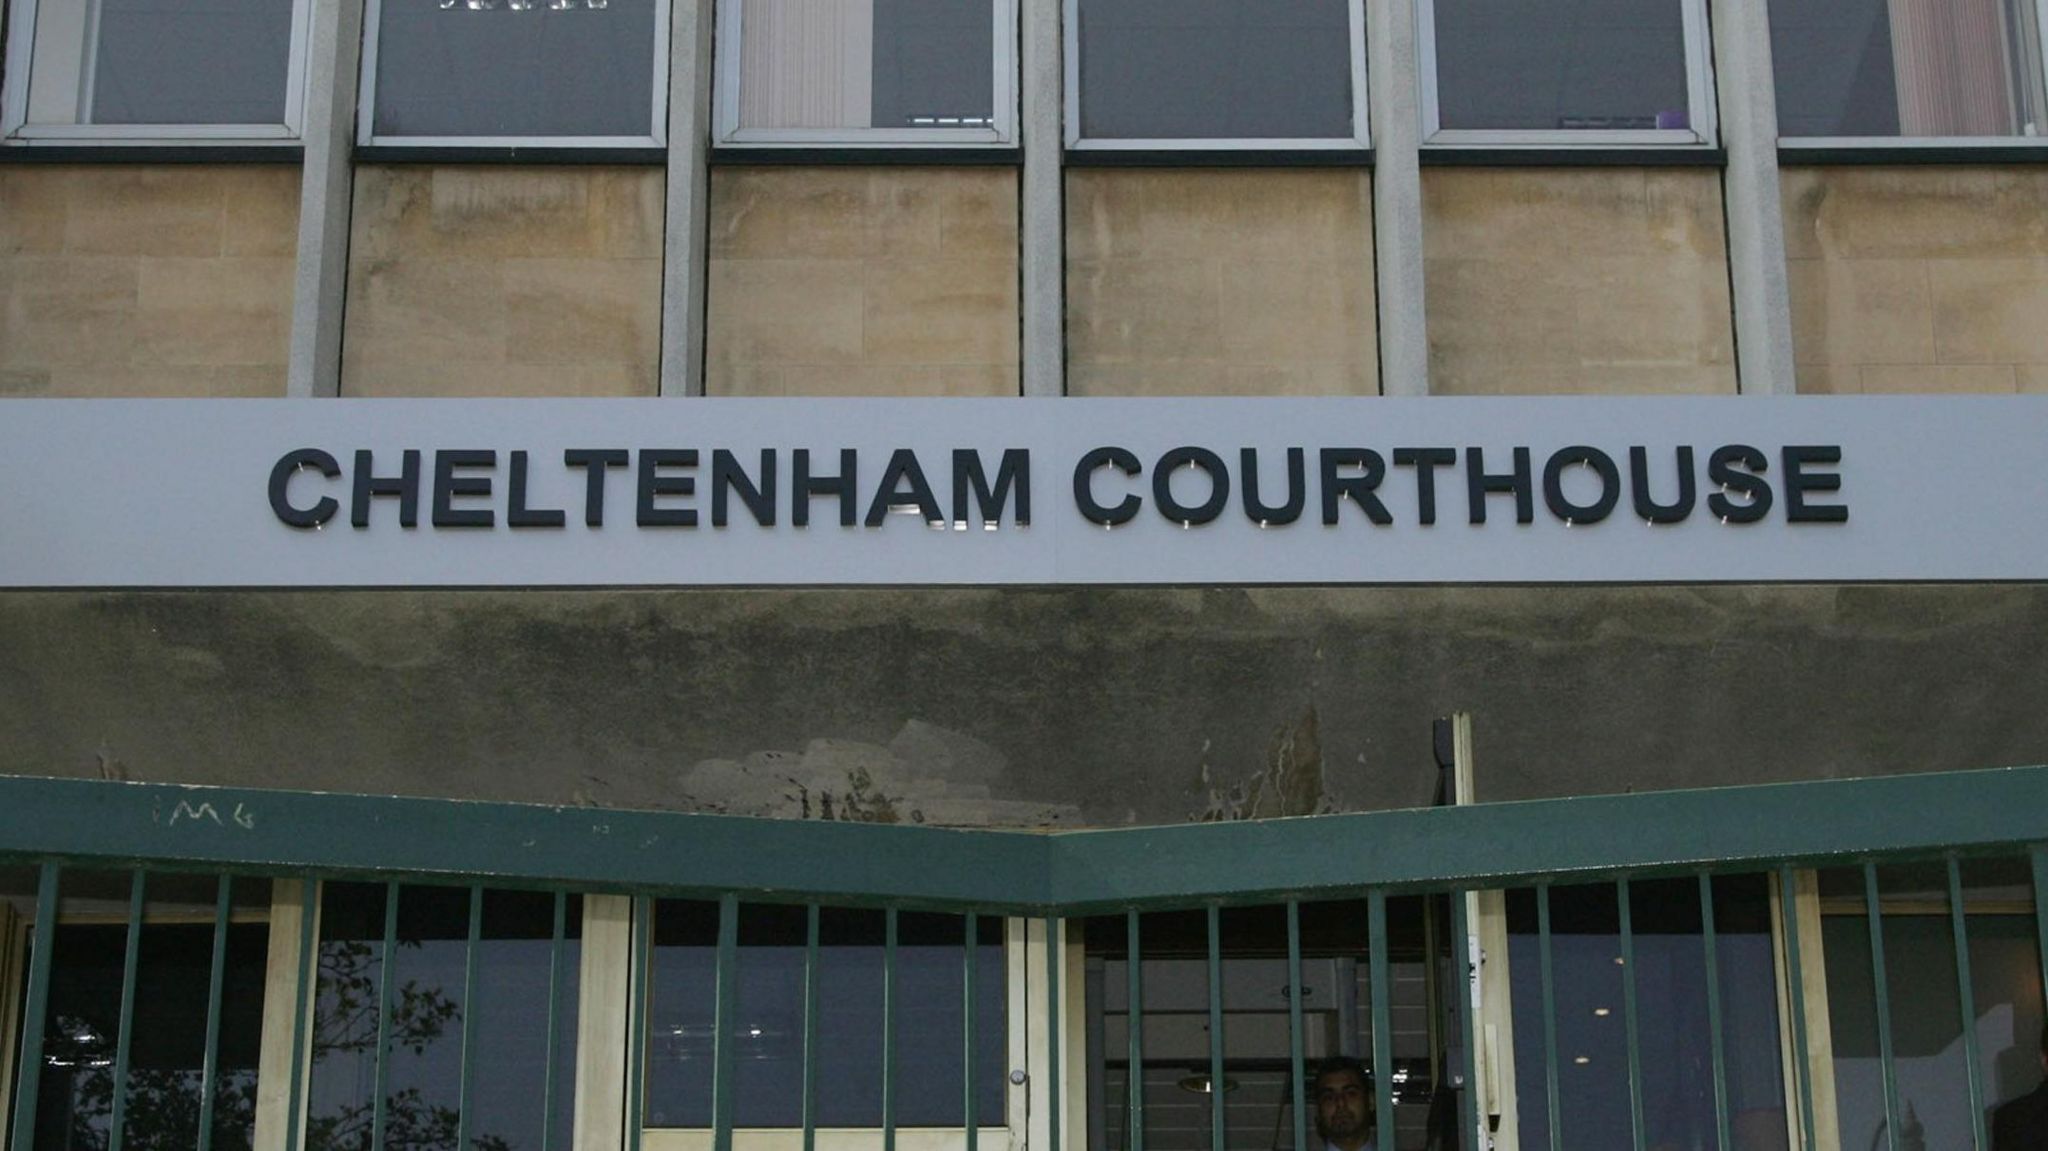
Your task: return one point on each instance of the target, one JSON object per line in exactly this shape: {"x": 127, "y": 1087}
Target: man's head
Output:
{"x": 1344, "y": 1103}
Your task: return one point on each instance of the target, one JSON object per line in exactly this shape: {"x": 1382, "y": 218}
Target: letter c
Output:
{"x": 280, "y": 484}
{"x": 1084, "y": 495}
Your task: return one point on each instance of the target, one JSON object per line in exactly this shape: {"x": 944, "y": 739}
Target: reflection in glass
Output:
{"x": 1215, "y": 69}
{"x": 1928, "y": 68}
{"x": 161, "y": 62}
{"x": 1550, "y": 65}
{"x": 822, "y": 64}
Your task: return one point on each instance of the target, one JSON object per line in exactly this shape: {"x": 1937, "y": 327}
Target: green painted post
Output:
{"x": 1795, "y": 979}
{"x": 970, "y": 1122}
{"x": 1294, "y": 1040}
{"x": 309, "y": 975}
{"x": 1216, "y": 1092}
{"x": 117, "y": 1124}
{"x": 382, "y": 1063}
{"x": 470, "y": 960}
{"x": 1551, "y": 1092}
{"x": 554, "y": 1026}
{"x": 1967, "y": 997}
{"x": 888, "y": 1030}
{"x": 28, "y": 1075}
{"x": 1135, "y": 1032}
{"x": 1717, "y": 1042}
{"x": 209, "y": 1072}
{"x": 1874, "y": 909}
{"x": 1382, "y": 1016}
{"x": 1625, "y": 899}
{"x": 811, "y": 1028}
{"x": 726, "y": 1028}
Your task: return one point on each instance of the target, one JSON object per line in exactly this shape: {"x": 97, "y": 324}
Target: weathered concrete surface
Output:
{"x": 1026, "y": 708}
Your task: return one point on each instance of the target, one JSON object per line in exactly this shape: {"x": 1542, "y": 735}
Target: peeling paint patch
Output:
{"x": 1289, "y": 783}
{"x": 924, "y": 774}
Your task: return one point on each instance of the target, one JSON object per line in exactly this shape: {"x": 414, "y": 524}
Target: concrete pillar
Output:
{"x": 686, "y": 242}
{"x": 1043, "y": 239}
{"x": 1397, "y": 198}
{"x": 1761, "y": 292}
{"x": 334, "y": 57}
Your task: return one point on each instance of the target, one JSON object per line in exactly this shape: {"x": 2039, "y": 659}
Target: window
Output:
{"x": 580, "y": 73}
{"x": 867, "y": 72}
{"x": 1922, "y": 69}
{"x": 1566, "y": 72}
{"x": 1182, "y": 73}
{"x": 130, "y": 70}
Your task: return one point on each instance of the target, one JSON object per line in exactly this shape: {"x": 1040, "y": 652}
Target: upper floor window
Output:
{"x": 867, "y": 72}
{"x": 1572, "y": 72}
{"x": 1208, "y": 73}
{"x": 582, "y": 73}
{"x": 128, "y": 70}
{"x": 1920, "y": 69}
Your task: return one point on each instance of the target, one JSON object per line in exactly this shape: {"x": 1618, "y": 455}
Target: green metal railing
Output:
{"x": 1056, "y": 878}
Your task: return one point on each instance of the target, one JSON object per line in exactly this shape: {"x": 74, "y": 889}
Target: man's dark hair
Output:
{"x": 1339, "y": 1064}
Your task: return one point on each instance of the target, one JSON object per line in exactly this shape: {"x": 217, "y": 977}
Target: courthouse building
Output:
{"x": 914, "y": 575}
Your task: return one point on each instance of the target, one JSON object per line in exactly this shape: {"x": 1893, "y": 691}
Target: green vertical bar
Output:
{"x": 209, "y": 1074}
{"x": 547, "y": 1073}
{"x": 726, "y": 1029}
{"x": 1382, "y": 1018}
{"x": 1973, "y": 1058}
{"x": 1711, "y": 945}
{"x": 969, "y": 1121}
{"x": 2041, "y": 910}
{"x": 130, "y": 959}
{"x": 1788, "y": 914}
{"x": 27, "y": 1079}
{"x": 811, "y": 1028}
{"x": 1054, "y": 959}
{"x": 1626, "y": 901}
{"x": 888, "y": 1031}
{"x": 1875, "y": 912}
{"x": 309, "y": 975}
{"x": 1551, "y": 1093}
{"x": 469, "y": 1014}
{"x": 1135, "y": 1032}
{"x": 1467, "y": 973}
{"x": 1294, "y": 1051}
{"x": 383, "y": 1054}
{"x": 636, "y": 1014}
{"x": 1216, "y": 1129}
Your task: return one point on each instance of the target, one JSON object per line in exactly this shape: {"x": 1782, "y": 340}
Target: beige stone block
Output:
{"x": 424, "y": 310}
{"x": 168, "y": 381}
{"x": 33, "y": 202}
{"x": 2031, "y": 379}
{"x": 24, "y": 382}
{"x": 475, "y": 380}
{"x": 1120, "y": 310}
{"x": 1493, "y": 313}
{"x": 631, "y": 206}
{"x": 1106, "y": 215}
{"x": 1556, "y": 213}
{"x": 209, "y": 338}
{"x": 1221, "y": 213}
{"x": 509, "y": 212}
{"x": 1990, "y": 311}
{"x": 978, "y": 215}
{"x": 1825, "y": 379}
{"x": 255, "y": 284}
{"x": 1582, "y": 380}
{"x": 1651, "y": 312}
{"x": 1214, "y": 378}
{"x": 121, "y": 211}
{"x": 789, "y": 213}
{"x": 1911, "y": 379}
{"x": 1874, "y": 311}
{"x": 262, "y": 211}
{"x": 1917, "y": 212}
{"x": 65, "y": 310}
{"x": 1298, "y": 310}
{"x": 891, "y": 380}
{"x": 584, "y": 311}
{"x": 940, "y": 311}
{"x": 786, "y": 311}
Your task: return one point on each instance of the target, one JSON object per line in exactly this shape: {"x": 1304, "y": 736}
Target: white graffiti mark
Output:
{"x": 242, "y": 816}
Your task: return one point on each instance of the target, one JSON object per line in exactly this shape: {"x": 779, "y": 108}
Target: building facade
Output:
{"x": 1578, "y": 227}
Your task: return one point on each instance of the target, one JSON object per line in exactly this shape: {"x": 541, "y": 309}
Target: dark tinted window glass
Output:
{"x": 173, "y": 62}
{"x": 825, "y": 64}
{"x": 1215, "y": 69}
{"x": 1561, "y": 64}
{"x": 516, "y": 68}
{"x": 1879, "y": 68}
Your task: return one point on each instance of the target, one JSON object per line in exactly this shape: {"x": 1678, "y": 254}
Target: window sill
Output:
{"x": 122, "y": 153}
{"x": 1692, "y": 156}
{"x": 1884, "y": 153}
{"x": 829, "y": 155}
{"x": 1105, "y": 157}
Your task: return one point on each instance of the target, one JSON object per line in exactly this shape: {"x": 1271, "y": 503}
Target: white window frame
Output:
{"x": 726, "y": 115}
{"x": 1699, "y": 88}
{"x": 366, "y": 109}
{"x": 14, "y": 96}
{"x": 1944, "y": 143}
{"x": 1360, "y": 138}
